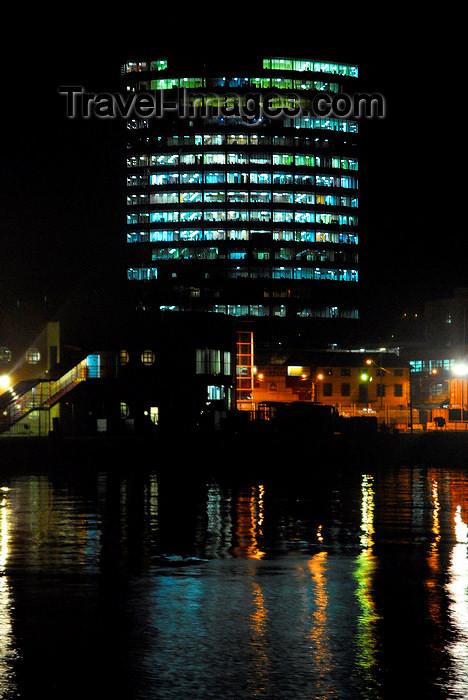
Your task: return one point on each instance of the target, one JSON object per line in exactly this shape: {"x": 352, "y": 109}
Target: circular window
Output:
{"x": 33, "y": 356}
{"x": 5, "y": 356}
{"x": 124, "y": 357}
{"x": 147, "y": 357}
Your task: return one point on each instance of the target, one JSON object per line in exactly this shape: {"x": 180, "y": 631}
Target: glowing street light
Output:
{"x": 4, "y": 381}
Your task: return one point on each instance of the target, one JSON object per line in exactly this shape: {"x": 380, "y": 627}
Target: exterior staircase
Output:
{"x": 39, "y": 395}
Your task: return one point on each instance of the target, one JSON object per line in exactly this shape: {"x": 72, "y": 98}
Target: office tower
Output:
{"x": 242, "y": 194}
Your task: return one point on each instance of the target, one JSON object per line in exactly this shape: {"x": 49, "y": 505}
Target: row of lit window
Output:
{"x": 310, "y": 65}
{"x": 240, "y": 235}
{"x": 289, "y": 273}
{"x": 243, "y": 139}
{"x": 277, "y": 310}
{"x": 342, "y": 125}
{"x": 221, "y": 195}
{"x": 222, "y": 158}
{"x": 147, "y": 357}
{"x": 194, "y": 197}
{"x": 212, "y": 361}
{"x": 300, "y": 217}
{"x": 294, "y": 273}
{"x": 430, "y": 365}
{"x": 142, "y": 66}
{"x": 32, "y": 356}
{"x": 213, "y": 197}
{"x": 231, "y": 178}
{"x": 260, "y": 83}
{"x": 204, "y": 253}
{"x": 299, "y": 122}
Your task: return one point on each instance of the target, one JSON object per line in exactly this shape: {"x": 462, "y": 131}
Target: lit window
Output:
{"x": 124, "y": 357}
{"x": 295, "y": 371}
{"x": 33, "y": 356}
{"x": 215, "y": 393}
{"x": 147, "y": 357}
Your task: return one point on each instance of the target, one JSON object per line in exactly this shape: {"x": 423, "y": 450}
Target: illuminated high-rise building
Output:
{"x": 243, "y": 188}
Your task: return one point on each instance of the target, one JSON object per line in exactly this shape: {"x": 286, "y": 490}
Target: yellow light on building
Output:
{"x": 4, "y": 381}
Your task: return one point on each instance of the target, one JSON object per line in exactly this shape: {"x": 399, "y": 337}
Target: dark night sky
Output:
{"x": 62, "y": 180}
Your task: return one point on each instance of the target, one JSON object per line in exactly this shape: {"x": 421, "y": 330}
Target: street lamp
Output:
{"x": 4, "y": 381}
{"x": 318, "y": 378}
{"x": 381, "y": 369}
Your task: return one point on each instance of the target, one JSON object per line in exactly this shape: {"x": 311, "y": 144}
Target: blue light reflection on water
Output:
{"x": 343, "y": 588}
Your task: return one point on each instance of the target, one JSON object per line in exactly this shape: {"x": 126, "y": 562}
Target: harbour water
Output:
{"x": 148, "y": 581}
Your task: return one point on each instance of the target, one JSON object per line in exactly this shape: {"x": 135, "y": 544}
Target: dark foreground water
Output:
{"x": 127, "y": 585}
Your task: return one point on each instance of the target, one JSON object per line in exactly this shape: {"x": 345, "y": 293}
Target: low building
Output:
{"x": 354, "y": 383}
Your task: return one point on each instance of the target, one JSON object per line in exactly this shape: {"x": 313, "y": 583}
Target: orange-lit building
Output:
{"x": 355, "y": 383}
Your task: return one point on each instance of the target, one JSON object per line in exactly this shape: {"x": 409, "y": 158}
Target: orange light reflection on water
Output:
{"x": 249, "y": 509}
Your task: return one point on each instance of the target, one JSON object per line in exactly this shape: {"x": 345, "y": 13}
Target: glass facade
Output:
{"x": 253, "y": 216}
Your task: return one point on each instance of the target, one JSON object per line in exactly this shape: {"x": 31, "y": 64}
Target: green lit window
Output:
{"x": 281, "y": 64}
{"x": 158, "y": 65}
{"x": 282, "y": 83}
{"x": 260, "y": 82}
{"x": 304, "y": 159}
{"x": 164, "y": 84}
{"x": 283, "y": 159}
{"x": 191, "y": 82}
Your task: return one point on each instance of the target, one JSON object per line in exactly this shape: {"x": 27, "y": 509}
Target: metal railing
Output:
{"x": 42, "y": 396}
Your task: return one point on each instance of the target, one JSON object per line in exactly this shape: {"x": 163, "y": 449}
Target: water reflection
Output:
{"x": 321, "y": 653}
{"x": 259, "y": 639}
{"x": 457, "y": 589}
{"x": 366, "y": 641}
{"x": 249, "y": 513}
{"x": 8, "y": 653}
{"x": 325, "y": 589}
